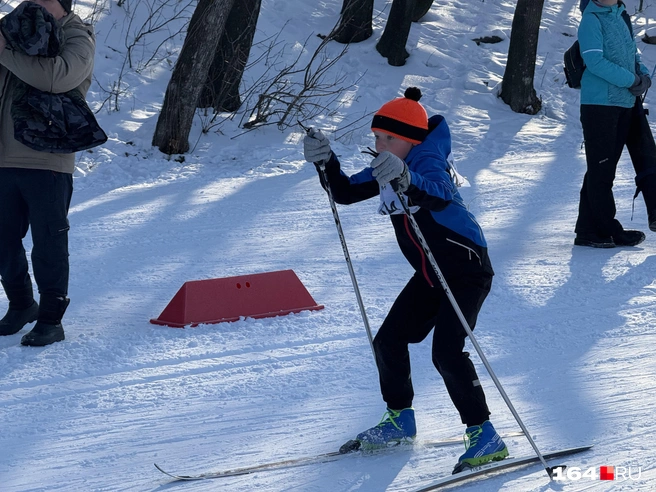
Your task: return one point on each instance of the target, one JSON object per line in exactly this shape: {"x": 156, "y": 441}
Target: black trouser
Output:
{"x": 417, "y": 310}
{"x": 37, "y": 199}
{"x": 606, "y": 130}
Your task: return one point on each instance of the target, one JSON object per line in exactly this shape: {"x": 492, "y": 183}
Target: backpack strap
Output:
{"x": 627, "y": 19}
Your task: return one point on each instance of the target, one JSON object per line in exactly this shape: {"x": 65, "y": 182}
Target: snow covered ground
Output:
{"x": 569, "y": 331}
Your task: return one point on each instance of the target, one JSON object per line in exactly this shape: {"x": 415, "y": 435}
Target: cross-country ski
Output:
{"x": 508, "y": 464}
{"x": 321, "y": 458}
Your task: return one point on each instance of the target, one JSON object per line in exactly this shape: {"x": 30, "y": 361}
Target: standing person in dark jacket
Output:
{"x": 414, "y": 152}
{"x": 612, "y": 116}
{"x": 36, "y": 187}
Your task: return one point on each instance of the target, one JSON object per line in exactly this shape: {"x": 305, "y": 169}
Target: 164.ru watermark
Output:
{"x": 618, "y": 473}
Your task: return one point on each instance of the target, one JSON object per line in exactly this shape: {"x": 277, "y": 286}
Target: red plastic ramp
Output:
{"x": 261, "y": 295}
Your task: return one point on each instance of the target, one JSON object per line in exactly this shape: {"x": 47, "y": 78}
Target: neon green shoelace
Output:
{"x": 389, "y": 416}
{"x": 471, "y": 438}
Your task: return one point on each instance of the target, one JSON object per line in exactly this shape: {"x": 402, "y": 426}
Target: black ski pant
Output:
{"x": 417, "y": 310}
{"x": 39, "y": 200}
{"x": 606, "y": 130}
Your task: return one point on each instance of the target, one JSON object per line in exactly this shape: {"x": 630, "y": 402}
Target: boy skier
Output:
{"x": 413, "y": 155}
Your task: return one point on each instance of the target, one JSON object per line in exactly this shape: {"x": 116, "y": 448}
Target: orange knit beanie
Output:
{"x": 403, "y": 117}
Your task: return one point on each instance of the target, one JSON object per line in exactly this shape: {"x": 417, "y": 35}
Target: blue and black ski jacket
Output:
{"x": 451, "y": 231}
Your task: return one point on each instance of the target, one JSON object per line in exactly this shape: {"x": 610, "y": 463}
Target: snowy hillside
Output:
{"x": 569, "y": 331}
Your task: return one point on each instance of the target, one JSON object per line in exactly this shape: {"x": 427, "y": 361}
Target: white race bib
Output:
{"x": 389, "y": 202}
{"x": 456, "y": 177}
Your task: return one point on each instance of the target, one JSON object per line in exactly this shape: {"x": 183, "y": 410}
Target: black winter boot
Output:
{"x": 594, "y": 241}
{"x": 629, "y": 238}
{"x": 16, "y": 319}
{"x": 48, "y": 328}
{"x": 22, "y": 308}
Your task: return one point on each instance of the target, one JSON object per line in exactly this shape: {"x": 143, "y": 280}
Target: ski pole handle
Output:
{"x": 309, "y": 131}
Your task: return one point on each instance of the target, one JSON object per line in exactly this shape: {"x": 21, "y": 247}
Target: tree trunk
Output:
{"x": 420, "y": 9}
{"x": 392, "y": 43}
{"x": 517, "y": 86}
{"x": 189, "y": 75}
{"x": 355, "y": 22}
{"x": 221, "y": 90}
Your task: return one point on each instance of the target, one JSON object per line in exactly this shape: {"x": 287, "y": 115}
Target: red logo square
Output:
{"x": 606, "y": 473}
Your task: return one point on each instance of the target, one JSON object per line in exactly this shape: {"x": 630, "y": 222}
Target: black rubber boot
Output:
{"x": 48, "y": 328}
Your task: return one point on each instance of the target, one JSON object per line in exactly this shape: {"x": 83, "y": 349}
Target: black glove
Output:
{"x": 643, "y": 82}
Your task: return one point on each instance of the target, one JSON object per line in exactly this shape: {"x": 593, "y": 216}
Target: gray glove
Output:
{"x": 643, "y": 82}
{"x": 316, "y": 147}
{"x": 387, "y": 168}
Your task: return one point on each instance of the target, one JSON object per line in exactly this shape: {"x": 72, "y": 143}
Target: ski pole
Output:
{"x": 465, "y": 325}
{"x": 324, "y": 179}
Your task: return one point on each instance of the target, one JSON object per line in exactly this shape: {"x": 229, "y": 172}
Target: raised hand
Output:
{"x": 388, "y": 168}
{"x": 316, "y": 147}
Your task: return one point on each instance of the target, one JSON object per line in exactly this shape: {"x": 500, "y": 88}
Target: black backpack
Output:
{"x": 574, "y": 66}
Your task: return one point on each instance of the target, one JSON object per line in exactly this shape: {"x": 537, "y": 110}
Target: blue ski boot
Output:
{"x": 396, "y": 427}
{"x": 482, "y": 444}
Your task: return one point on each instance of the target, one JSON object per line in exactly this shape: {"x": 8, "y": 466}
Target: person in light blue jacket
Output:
{"x": 612, "y": 116}
{"x": 414, "y": 155}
